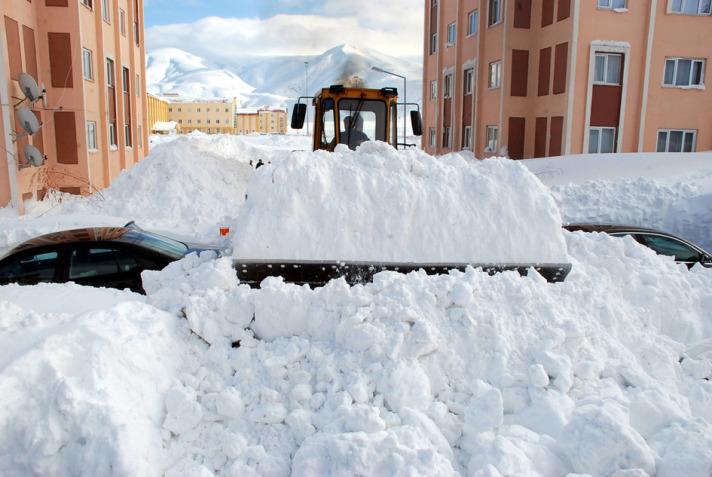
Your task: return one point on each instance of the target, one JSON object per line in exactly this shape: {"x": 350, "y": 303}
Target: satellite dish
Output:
{"x": 28, "y": 120}
{"x": 33, "y": 156}
{"x": 29, "y": 87}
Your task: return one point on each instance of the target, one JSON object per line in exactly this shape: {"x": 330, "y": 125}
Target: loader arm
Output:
{"x": 319, "y": 273}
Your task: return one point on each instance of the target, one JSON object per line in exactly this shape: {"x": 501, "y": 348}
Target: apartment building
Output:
{"x": 207, "y": 116}
{"x": 541, "y": 78}
{"x": 263, "y": 120}
{"x": 89, "y": 56}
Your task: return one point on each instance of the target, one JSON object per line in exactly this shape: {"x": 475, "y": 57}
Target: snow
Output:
{"x": 379, "y": 204}
{"x": 606, "y": 374}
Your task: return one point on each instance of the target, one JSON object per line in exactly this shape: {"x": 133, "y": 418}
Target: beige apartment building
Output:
{"x": 207, "y": 116}
{"x": 549, "y": 77}
{"x": 263, "y": 120}
{"x": 89, "y": 56}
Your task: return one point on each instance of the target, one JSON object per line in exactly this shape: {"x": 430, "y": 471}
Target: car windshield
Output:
{"x": 157, "y": 243}
{"x": 672, "y": 247}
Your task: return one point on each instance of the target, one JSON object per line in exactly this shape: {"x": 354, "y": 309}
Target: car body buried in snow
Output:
{"x": 112, "y": 257}
{"x": 660, "y": 242}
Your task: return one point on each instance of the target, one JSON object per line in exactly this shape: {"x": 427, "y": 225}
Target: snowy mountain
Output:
{"x": 275, "y": 81}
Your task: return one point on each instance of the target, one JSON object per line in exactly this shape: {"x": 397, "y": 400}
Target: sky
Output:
{"x": 225, "y": 30}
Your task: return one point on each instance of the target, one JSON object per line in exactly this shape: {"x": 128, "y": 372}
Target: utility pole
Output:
{"x": 306, "y": 90}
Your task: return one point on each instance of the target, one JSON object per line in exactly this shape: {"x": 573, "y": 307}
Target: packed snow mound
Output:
{"x": 82, "y": 390}
{"x": 439, "y": 375}
{"x": 380, "y": 204}
{"x": 682, "y": 207}
{"x": 183, "y": 184}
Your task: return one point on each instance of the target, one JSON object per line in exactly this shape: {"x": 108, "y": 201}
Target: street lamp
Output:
{"x": 306, "y": 90}
{"x": 405, "y": 95}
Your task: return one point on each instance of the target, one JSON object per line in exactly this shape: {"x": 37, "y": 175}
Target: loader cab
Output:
{"x": 351, "y": 116}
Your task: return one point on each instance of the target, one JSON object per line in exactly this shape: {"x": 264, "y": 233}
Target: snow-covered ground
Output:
{"x": 606, "y": 374}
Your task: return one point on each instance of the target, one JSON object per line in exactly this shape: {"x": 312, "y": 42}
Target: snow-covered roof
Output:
{"x": 164, "y": 126}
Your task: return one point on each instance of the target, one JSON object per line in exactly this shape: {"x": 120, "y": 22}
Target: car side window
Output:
{"x": 88, "y": 262}
{"x": 671, "y": 247}
{"x": 31, "y": 267}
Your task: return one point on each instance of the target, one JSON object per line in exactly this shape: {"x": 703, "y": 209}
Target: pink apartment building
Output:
{"x": 534, "y": 78}
{"x": 89, "y": 55}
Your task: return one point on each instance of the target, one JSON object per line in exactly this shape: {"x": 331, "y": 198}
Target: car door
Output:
{"x": 664, "y": 245}
{"x": 104, "y": 265}
{"x": 31, "y": 267}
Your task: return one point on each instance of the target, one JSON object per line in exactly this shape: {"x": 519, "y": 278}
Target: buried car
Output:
{"x": 660, "y": 242}
{"x": 112, "y": 257}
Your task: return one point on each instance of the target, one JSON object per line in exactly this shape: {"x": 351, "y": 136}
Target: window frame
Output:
{"x": 682, "y": 11}
{"x": 684, "y": 132}
{"x": 690, "y": 85}
{"x": 433, "y": 89}
{"x": 451, "y": 34}
{"x": 489, "y": 147}
{"x": 491, "y": 22}
{"x": 447, "y": 137}
{"x": 88, "y": 4}
{"x": 600, "y": 130}
{"x": 469, "y": 83}
{"x": 122, "y": 22}
{"x": 87, "y": 53}
{"x": 498, "y": 67}
{"x": 448, "y": 86}
{"x": 106, "y": 11}
{"x": 432, "y": 137}
{"x": 610, "y": 5}
{"x": 467, "y": 138}
{"x": 473, "y": 20}
{"x": 92, "y": 136}
{"x": 607, "y": 56}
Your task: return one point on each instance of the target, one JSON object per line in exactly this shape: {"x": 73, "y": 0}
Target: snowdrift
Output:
{"x": 460, "y": 374}
{"x": 379, "y": 204}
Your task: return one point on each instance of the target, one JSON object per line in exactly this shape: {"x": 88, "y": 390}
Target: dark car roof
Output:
{"x": 611, "y": 228}
{"x": 89, "y": 234}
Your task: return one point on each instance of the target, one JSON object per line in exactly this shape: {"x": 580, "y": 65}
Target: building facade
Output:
{"x": 541, "y": 78}
{"x": 89, "y": 56}
{"x": 157, "y": 110}
{"x": 207, "y": 116}
{"x": 261, "y": 121}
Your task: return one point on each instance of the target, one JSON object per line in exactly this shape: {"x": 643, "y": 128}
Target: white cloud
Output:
{"x": 393, "y": 27}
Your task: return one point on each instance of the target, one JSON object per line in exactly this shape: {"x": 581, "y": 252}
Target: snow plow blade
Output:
{"x": 319, "y": 273}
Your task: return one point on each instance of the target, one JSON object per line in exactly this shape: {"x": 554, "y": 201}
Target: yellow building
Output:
{"x": 261, "y": 121}
{"x": 157, "y": 110}
{"x": 207, "y": 116}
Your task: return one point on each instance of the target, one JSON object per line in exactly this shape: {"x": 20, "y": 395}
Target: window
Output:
{"x": 217, "y": 121}
{"x": 87, "y": 3}
{"x": 30, "y": 268}
{"x": 495, "y": 74}
{"x": 126, "y": 81}
{"x": 138, "y": 84}
{"x": 88, "y": 64}
{"x": 208, "y": 121}
{"x": 112, "y": 135}
{"x": 451, "y": 33}
{"x": 105, "y": 15}
{"x": 684, "y": 72}
{"x": 601, "y": 140}
{"x": 199, "y": 121}
{"x": 447, "y": 137}
{"x": 467, "y": 138}
{"x": 612, "y": 4}
{"x": 492, "y": 138}
{"x": 671, "y": 247}
{"x": 198, "y": 109}
{"x": 433, "y": 89}
{"x": 110, "y": 72}
{"x": 691, "y": 7}
{"x": 608, "y": 68}
{"x": 447, "y": 92}
{"x": 127, "y": 135}
{"x": 207, "y": 110}
{"x": 677, "y": 140}
{"x": 494, "y": 12}
{"x": 371, "y": 113}
{"x": 433, "y": 43}
{"x": 227, "y": 110}
{"x": 473, "y": 18}
{"x": 122, "y": 22}
{"x": 170, "y": 110}
{"x": 92, "y": 262}
{"x": 91, "y": 135}
{"x": 469, "y": 81}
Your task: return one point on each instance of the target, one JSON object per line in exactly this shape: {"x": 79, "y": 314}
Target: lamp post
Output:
{"x": 405, "y": 95}
{"x": 306, "y": 90}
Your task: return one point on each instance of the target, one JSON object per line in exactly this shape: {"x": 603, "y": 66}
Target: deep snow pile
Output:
{"x": 381, "y": 204}
{"x": 464, "y": 373}
{"x": 82, "y": 389}
{"x": 672, "y": 192}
